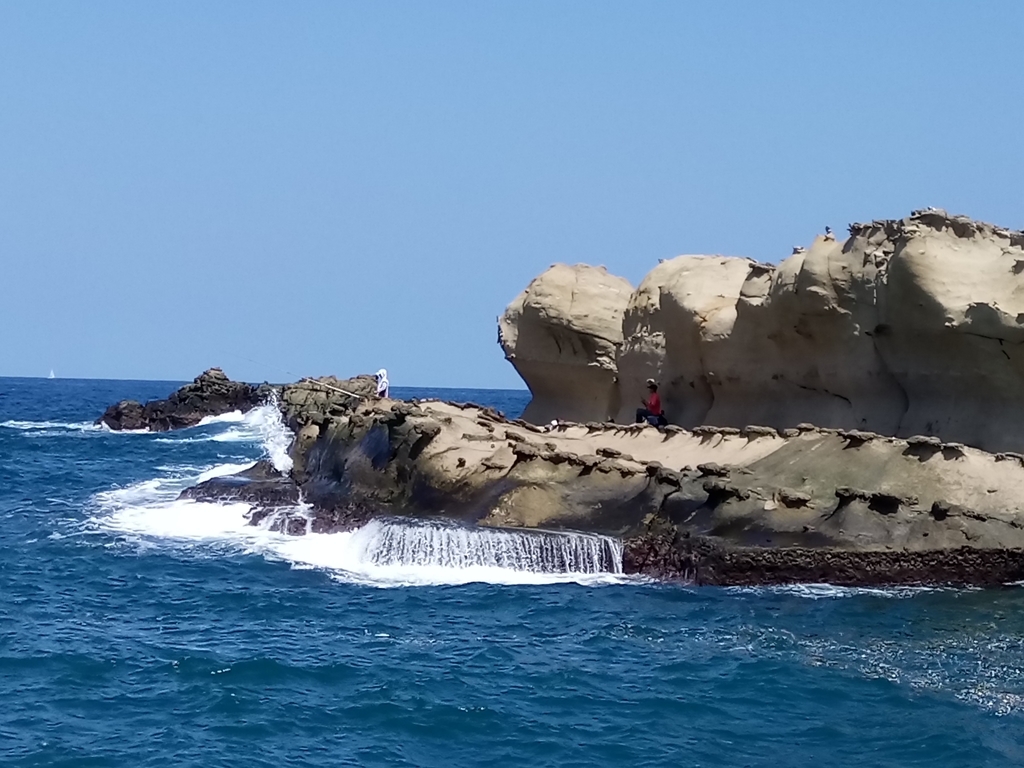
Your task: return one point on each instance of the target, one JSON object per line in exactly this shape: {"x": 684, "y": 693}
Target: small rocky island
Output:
{"x": 211, "y": 394}
{"x": 854, "y": 415}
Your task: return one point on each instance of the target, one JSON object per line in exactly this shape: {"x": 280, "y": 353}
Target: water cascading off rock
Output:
{"x": 414, "y": 543}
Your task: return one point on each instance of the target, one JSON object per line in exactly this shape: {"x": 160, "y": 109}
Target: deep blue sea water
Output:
{"x": 136, "y": 630}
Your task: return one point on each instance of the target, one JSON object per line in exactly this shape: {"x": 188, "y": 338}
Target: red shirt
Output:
{"x": 654, "y": 404}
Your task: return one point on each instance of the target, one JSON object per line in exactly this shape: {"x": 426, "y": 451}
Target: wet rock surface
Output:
{"x": 709, "y": 561}
{"x": 819, "y": 505}
{"x": 261, "y": 485}
{"x": 212, "y": 393}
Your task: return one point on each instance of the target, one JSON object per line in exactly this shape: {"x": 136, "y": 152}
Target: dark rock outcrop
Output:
{"x": 275, "y": 498}
{"x": 212, "y": 393}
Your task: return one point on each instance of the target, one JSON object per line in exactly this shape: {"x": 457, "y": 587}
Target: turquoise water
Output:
{"x": 136, "y": 630}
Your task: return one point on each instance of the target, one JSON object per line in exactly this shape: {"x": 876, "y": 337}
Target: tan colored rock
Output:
{"x": 772, "y": 509}
{"x": 562, "y": 334}
{"x": 772, "y": 499}
{"x": 912, "y": 326}
{"x": 953, "y": 329}
{"x": 681, "y": 306}
{"x": 801, "y": 347}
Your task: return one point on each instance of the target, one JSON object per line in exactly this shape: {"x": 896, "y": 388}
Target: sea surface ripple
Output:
{"x": 136, "y": 630}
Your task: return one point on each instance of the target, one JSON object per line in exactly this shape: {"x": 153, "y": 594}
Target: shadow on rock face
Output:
{"x": 212, "y": 393}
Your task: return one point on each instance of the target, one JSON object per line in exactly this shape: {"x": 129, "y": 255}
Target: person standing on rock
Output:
{"x": 383, "y": 387}
{"x": 651, "y": 411}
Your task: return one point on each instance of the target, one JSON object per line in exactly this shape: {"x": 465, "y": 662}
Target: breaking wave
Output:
{"x": 381, "y": 553}
{"x": 225, "y": 418}
{"x": 262, "y": 426}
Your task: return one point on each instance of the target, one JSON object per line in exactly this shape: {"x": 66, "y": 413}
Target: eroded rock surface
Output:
{"x": 716, "y": 505}
{"x": 911, "y": 326}
{"x": 562, "y": 334}
{"x": 212, "y": 393}
{"x": 903, "y": 343}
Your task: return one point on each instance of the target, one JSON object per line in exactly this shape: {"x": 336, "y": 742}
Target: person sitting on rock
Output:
{"x": 383, "y": 387}
{"x": 651, "y": 412}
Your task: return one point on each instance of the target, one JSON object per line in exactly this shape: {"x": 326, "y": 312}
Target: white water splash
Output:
{"x": 383, "y": 553}
{"x": 263, "y": 425}
{"x": 274, "y": 435}
{"x": 225, "y": 418}
{"x": 356, "y": 557}
{"x": 435, "y": 545}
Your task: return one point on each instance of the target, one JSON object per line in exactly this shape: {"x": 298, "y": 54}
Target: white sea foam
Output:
{"x": 224, "y": 418}
{"x": 832, "y": 591}
{"x": 381, "y": 553}
{"x": 74, "y": 426}
{"x": 180, "y": 520}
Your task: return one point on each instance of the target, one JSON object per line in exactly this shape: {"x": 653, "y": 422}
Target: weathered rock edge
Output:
{"x": 728, "y": 506}
{"x": 211, "y": 393}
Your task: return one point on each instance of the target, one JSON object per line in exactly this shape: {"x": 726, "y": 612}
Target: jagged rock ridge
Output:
{"x": 211, "y": 393}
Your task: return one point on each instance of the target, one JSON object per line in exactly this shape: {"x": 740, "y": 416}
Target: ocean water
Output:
{"x": 137, "y": 630}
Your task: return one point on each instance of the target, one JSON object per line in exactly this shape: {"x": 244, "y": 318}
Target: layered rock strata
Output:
{"x": 710, "y": 505}
{"x": 911, "y": 326}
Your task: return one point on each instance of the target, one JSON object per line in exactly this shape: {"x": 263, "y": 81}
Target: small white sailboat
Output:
{"x": 51, "y": 376}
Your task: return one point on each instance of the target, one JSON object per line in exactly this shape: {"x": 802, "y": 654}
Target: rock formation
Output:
{"x": 562, "y": 334}
{"x": 903, "y": 342}
{"x": 212, "y": 393}
{"x": 908, "y": 327}
{"x": 713, "y": 505}
{"x": 681, "y": 307}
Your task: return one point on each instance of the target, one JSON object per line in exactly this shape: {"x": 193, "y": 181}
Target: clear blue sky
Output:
{"x": 309, "y": 187}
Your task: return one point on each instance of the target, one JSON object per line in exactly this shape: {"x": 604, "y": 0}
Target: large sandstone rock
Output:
{"x": 683, "y": 305}
{"x": 908, "y": 327}
{"x": 953, "y": 326}
{"x": 802, "y": 347}
{"x": 562, "y": 334}
{"x": 716, "y": 505}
